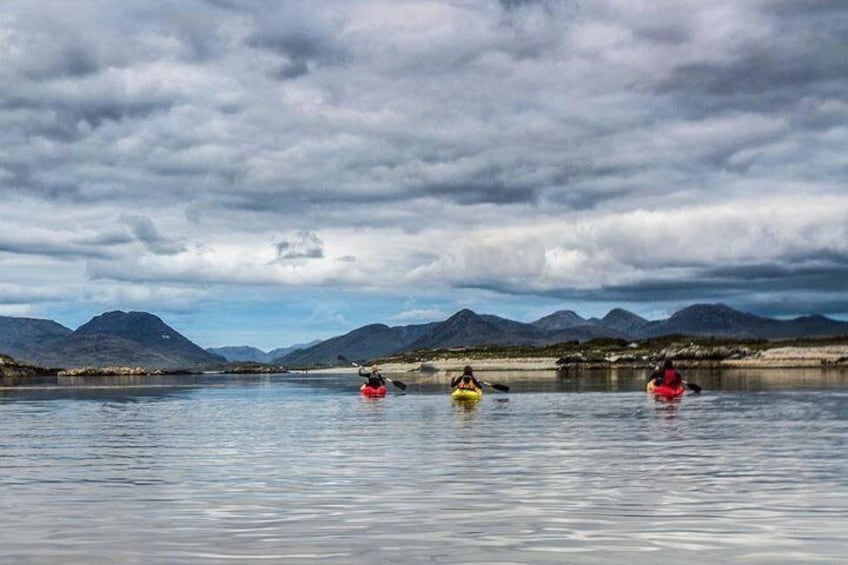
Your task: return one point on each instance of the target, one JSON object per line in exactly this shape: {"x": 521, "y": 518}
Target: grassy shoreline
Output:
{"x": 686, "y": 352}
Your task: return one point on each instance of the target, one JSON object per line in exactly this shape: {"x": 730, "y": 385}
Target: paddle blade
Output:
{"x": 399, "y": 384}
{"x": 693, "y": 387}
{"x": 502, "y": 388}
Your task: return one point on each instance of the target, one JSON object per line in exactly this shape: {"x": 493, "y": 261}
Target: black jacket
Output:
{"x": 375, "y": 379}
{"x": 468, "y": 379}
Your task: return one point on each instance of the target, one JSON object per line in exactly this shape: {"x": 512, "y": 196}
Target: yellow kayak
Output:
{"x": 467, "y": 394}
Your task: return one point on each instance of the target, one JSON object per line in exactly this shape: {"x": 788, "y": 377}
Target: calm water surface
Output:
{"x": 296, "y": 469}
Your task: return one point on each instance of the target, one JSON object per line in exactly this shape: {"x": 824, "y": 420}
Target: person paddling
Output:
{"x": 668, "y": 376}
{"x": 375, "y": 379}
{"x": 669, "y": 380}
{"x": 466, "y": 380}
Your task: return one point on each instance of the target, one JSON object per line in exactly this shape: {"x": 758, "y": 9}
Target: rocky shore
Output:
{"x": 761, "y": 355}
{"x": 687, "y": 355}
{"x": 254, "y": 368}
{"x": 10, "y": 368}
{"x": 109, "y": 372}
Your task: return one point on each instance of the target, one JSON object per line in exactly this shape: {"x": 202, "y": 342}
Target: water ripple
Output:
{"x": 309, "y": 472}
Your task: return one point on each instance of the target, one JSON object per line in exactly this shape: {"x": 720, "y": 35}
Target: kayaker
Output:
{"x": 668, "y": 375}
{"x": 375, "y": 379}
{"x": 466, "y": 379}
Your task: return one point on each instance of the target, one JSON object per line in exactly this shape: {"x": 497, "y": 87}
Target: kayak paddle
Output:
{"x": 496, "y": 386}
{"x": 693, "y": 387}
{"x": 396, "y": 383}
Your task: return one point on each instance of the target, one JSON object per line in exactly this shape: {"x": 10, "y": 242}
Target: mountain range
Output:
{"x": 237, "y": 353}
{"x": 467, "y": 328}
{"x": 143, "y": 339}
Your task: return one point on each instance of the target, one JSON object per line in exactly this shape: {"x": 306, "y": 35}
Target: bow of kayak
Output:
{"x": 664, "y": 392}
{"x": 372, "y": 392}
{"x": 467, "y": 394}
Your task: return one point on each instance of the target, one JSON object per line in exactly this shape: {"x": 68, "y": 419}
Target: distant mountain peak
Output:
{"x": 624, "y": 321}
{"x": 618, "y": 313}
{"x": 108, "y": 321}
{"x": 559, "y": 320}
{"x": 715, "y": 315}
{"x": 150, "y": 332}
{"x": 464, "y": 314}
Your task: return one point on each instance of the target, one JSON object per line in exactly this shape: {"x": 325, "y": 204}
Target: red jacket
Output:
{"x": 672, "y": 379}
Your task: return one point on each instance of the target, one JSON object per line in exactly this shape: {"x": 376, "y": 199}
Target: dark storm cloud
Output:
{"x": 145, "y": 231}
{"x": 808, "y": 9}
{"x": 51, "y": 248}
{"x": 485, "y": 189}
{"x": 653, "y": 290}
{"x": 28, "y": 178}
{"x": 53, "y": 51}
{"x": 739, "y": 284}
{"x": 802, "y": 56}
{"x": 586, "y": 197}
{"x": 663, "y": 32}
{"x": 301, "y": 41}
{"x": 305, "y": 245}
{"x": 225, "y": 4}
{"x": 518, "y": 4}
{"x": 107, "y": 239}
{"x": 761, "y": 69}
{"x": 725, "y": 282}
{"x": 825, "y": 278}
{"x": 69, "y": 61}
{"x": 802, "y": 304}
{"x": 71, "y": 119}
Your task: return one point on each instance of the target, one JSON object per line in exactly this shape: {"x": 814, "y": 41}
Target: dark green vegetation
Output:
{"x": 603, "y": 350}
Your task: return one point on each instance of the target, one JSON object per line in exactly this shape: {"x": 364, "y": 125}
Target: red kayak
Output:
{"x": 372, "y": 392}
{"x": 665, "y": 392}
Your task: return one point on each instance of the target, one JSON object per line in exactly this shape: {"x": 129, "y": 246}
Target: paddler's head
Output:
{"x": 467, "y": 371}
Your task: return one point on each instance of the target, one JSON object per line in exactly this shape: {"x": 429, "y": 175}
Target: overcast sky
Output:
{"x": 271, "y": 172}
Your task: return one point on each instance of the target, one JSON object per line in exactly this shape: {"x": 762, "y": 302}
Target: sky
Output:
{"x": 272, "y": 172}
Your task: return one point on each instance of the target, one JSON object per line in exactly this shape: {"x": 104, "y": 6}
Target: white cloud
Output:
{"x": 420, "y": 315}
